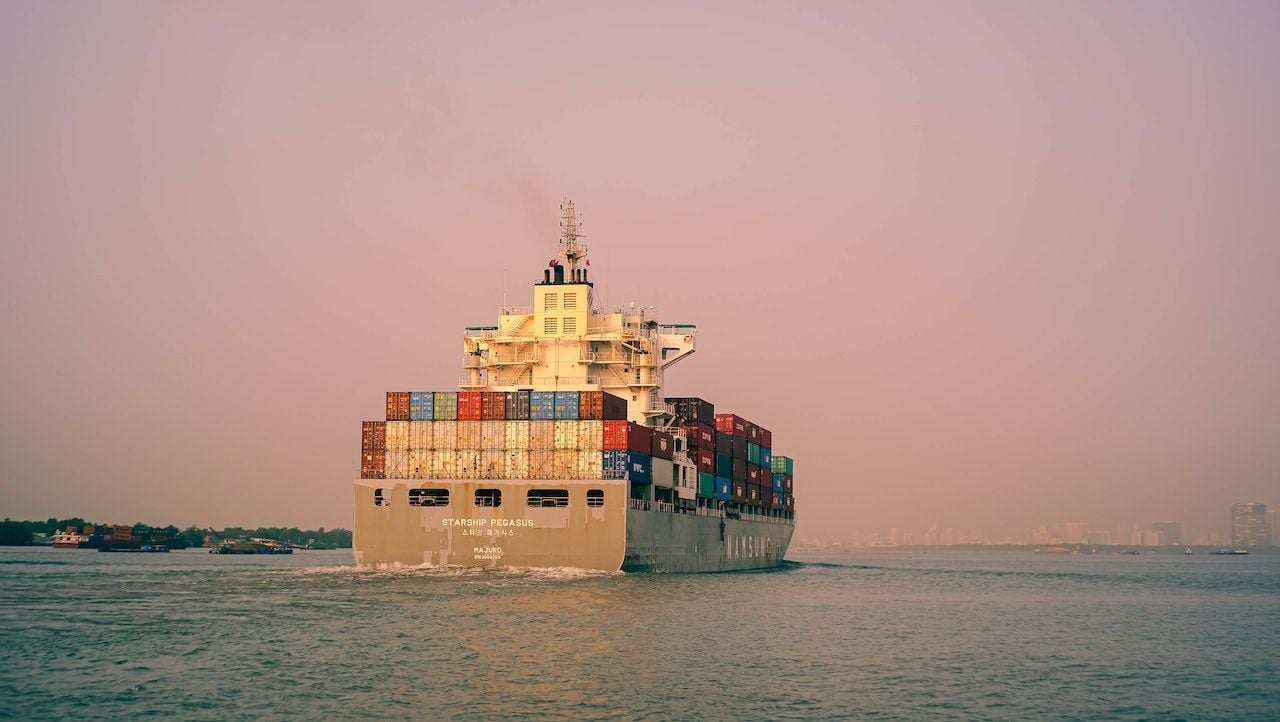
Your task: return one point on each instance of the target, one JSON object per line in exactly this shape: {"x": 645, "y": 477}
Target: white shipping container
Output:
{"x": 542, "y": 435}
{"x": 492, "y": 464}
{"x": 663, "y": 470}
{"x": 398, "y": 463}
{"x": 566, "y": 434}
{"x": 591, "y": 436}
{"x": 493, "y": 435}
{"x": 515, "y": 464}
{"x": 468, "y": 462}
{"x": 444, "y": 464}
{"x": 687, "y": 483}
{"x": 590, "y": 464}
{"x": 541, "y": 463}
{"x": 398, "y": 436}
{"x": 518, "y": 439}
{"x": 565, "y": 464}
{"x": 420, "y": 434}
{"x": 469, "y": 435}
{"x": 444, "y": 435}
{"x": 420, "y": 463}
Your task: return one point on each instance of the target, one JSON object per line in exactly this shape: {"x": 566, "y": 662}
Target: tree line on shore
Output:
{"x": 24, "y": 533}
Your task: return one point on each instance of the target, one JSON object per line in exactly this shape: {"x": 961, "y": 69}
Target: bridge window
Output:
{"x": 488, "y": 497}
{"x": 379, "y": 499}
{"x": 548, "y": 497}
{"x": 428, "y": 497}
{"x": 595, "y": 497}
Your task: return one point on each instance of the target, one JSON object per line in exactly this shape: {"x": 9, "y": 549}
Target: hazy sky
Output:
{"x": 984, "y": 265}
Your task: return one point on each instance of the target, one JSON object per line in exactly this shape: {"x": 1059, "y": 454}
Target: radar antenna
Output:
{"x": 569, "y": 235}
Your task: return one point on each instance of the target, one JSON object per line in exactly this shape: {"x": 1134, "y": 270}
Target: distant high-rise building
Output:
{"x": 893, "y": 537}
{"x": 1273, "y": 523}
{"x": 1249, "y": 524}
{"x": 1170, "y": 531}
{"x": 1076, "y": 532}
{"x": 1100, "y": 536}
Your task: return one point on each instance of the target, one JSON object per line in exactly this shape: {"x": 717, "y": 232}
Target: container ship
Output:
{"x": 560, "y": 450}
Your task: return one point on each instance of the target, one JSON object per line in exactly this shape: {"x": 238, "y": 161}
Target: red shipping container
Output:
{"x": 373, "y": 435}
{"x": 664, "y": 445}
{"x": 590, "y": 405}
{"x": 397, "y": 406}
{"x": 616, "y": 435}
{"x": 753, "y": 493}
{"x": 639, "y": 438}
{"x": 373, "y": 464}
{"x": 493, "y": 406}
{"x": 753, "y": 473}
{"x": 766, "y": 438}
{"x": 787, "y": 485}
{"x": 470, "y": 405}
{"x": 739, "y": 470}
{"x": 706, "y": 460}
{"x": 790, "y": 503}
{"x": 701, "y": 436}
{"x": 732, "y": 424}
{"x": 739, "y": 491}
{"x": 753, "y": 433}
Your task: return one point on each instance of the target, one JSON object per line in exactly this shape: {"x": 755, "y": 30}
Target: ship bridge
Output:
{"x": 564, "y": 342}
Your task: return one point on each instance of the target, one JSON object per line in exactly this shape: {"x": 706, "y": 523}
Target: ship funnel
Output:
{"x": 546, "y": 275}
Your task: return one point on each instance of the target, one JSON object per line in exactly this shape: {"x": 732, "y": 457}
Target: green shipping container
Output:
{"x": 445, "y": 406}
{"x": 782, "y": 465}
{"x": 753, "y": 453}
{"x": 707, "y": 485}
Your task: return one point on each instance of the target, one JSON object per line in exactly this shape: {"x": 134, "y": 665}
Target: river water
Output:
{"x": 878, "y": 634}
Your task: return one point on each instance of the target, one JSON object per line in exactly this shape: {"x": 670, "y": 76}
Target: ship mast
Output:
{"x": 569, "y": 235}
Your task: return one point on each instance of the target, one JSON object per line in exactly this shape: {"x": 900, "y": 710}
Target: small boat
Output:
{"x": 1133, "y": 552}
{"x": 1230, "y": 552}
{"x": 1188, "y": 551}
{"x": 145, "y": 548}
{"x": 252, "y": 546}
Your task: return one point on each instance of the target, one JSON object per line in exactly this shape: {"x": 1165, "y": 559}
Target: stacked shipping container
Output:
{"x": 571, "y": 435}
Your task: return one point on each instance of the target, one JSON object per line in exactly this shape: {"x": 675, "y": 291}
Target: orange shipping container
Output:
{"x": 373, "y": 464}
{"x": 373, "y": 435}
{"x": 470, "y": 405}
{"x": 397, "y": 406}
{"x": 616, "y": 435}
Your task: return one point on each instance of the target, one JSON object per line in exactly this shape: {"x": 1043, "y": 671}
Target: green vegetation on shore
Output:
{"x": 23, "y": 533}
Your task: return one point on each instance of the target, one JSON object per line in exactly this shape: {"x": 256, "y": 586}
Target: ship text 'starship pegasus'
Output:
{"x": 561, "y": 451}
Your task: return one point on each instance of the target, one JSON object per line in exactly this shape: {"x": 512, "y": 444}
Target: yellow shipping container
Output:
{"x": 542, "y": 435}
{"x": 444, "y": 464}
{"x": 590, "y": 464}
{"x": 468, "y": 462}
{"x": 591, "y": 436}
{"x": 493, "y": 435}
{"x": 398, "y": 436}
{"x": 420, "y": 435}
{"x": 492, "y": 464}
{"x": 420, "y": 463}
{"x": 469, "y": 435}
{"x": 398, "y": 463}
{"x": 444, "y": 435}
{"x": 567, "y": 434}
{"x": 565, "y": 465}
{"x": 515, "y": 464}
{"x": 541, "y": 463}
{"x": 517, "y": 438}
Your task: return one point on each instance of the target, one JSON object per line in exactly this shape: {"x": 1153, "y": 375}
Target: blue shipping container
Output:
{"x": 615, "y": 464}
{"x": 566, "y": 405}
{"x": 724, "y": 488}
{"x": 777, "y": 483}
{"x": 542, "y": 406}
{"x": 421, "y": 405}
{"x": 639, "y": 467}
{"x": 766, "y": 458}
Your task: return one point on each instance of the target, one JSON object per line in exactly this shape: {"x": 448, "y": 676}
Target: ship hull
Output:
{"x": 618, "y": 534}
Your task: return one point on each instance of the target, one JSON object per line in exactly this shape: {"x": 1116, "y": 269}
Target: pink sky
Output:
{"x": 986, "y": 266}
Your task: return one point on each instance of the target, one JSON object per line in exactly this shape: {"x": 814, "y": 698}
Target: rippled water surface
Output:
{"x": 876, "y": 634}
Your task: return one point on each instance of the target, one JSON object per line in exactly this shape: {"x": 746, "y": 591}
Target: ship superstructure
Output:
{"x": 560, "y": 450}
